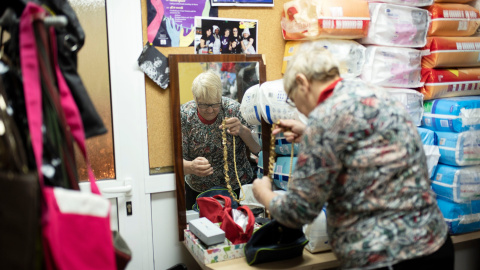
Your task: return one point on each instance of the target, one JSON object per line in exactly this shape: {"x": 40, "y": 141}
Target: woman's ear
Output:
{"x": 301, "y": 81}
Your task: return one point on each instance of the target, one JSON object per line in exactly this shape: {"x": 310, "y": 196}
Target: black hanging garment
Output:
{"x": 70, "y": 40}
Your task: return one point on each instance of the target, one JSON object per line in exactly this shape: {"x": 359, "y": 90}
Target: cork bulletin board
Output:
{"x": 270, "y": 44}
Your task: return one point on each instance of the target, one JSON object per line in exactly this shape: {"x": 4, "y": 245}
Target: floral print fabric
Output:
{"x": 202, "y": 140}
{"x": 362, "y": 156}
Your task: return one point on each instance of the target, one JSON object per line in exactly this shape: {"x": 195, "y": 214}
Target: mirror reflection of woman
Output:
{"x": 201, "y": 122}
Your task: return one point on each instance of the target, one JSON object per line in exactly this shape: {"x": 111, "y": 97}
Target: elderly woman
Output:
{"x": 360, "y": 155}
{"x": 201, "y": 121}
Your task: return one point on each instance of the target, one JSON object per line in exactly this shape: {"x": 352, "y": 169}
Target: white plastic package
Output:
{"x": 413, "y": 3}
{"x": 411, "y": 99}
{"x": 273, "y": 103}
{"x": 249, "y": 108}
{"x": 349, "y": 54}
{"x": 392, "y": 67}
{"x": 316, "y": 233}
{"x": 395, "y": 25}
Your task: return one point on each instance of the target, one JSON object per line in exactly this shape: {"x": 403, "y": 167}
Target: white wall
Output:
{"x": 168, "y": 251}
{"x": 467, "y": 255}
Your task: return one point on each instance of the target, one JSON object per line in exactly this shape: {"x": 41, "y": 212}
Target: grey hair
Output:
{"x": 313, "y": 61}
{"x": 207, "y": 86}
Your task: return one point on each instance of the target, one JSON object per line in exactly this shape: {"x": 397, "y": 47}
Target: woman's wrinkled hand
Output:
{"x": 201, "y": 167}
{"x": 233, "y": 125}
{"x": 262, "y": 187}
{"x": 292, "y": 130}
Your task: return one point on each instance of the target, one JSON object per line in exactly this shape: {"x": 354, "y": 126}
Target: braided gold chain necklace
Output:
{"x": 225, "y": 163}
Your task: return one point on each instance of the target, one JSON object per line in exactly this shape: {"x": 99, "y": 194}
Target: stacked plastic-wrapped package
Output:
{"x": 397, "y": 32}
{"x": 268, "y": 102}
{"x": 451, "y": 73}
{"x": 273, "y": 108}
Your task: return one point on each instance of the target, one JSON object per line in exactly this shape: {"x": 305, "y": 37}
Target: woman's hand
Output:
{"x": 200, "y": 167}
{"x": 292, "y": 130}
{"x": 234, "y": 126}
{"x": 262, "y": 190}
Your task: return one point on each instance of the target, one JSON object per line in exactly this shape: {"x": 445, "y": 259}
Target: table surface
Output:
{"x": 322, "y": 260}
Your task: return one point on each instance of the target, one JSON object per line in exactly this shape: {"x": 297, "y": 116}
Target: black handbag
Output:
{"x": 273, "y": 242}
{"x": 123, "y": 253}
{"x": 19, "y": 196}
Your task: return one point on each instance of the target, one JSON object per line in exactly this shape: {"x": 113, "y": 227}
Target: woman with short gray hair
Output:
{"x": 201, "y": 121}
{"x": 362, "y": 157}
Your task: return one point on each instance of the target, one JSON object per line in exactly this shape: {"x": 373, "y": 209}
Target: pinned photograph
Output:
{"x": 225, "y": 36}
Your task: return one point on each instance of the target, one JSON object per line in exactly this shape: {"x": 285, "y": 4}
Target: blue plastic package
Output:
{"x": 460, "y": 217}
{"x": 452, "y": 114}
{"x": 457, "y": 184}
{"x": 459, "y": 149}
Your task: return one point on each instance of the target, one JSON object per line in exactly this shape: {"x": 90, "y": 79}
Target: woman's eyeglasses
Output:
{"x": 205, "y": 106}
{"x": 290, "y": 102}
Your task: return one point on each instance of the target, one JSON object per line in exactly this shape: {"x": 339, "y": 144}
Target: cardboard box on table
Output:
{"x": 215, "y": 253}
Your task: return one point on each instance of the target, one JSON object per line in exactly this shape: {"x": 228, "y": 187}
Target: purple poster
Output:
{"x": 170, "y": 23}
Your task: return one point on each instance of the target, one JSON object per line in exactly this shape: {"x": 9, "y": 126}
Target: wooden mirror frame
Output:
{"x": 173, "y": 61}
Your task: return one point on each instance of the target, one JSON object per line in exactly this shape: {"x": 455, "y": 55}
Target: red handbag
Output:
{"x": 75, "y": 225}
{"x": 234, "y": 232}
{"x": 212, "y": 209}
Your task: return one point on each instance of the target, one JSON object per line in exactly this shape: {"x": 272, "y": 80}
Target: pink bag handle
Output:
{"x": 33, "y": 91}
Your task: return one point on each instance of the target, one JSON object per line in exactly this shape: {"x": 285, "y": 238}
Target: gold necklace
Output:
{"x": 225, "y": 163}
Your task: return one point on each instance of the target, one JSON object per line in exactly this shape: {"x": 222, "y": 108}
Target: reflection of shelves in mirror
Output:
{"x": 322, "y": 260}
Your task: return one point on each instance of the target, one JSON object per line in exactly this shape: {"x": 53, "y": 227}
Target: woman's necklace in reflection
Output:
{"x": 272, "y": 156}
{"x": 225, "y": 163}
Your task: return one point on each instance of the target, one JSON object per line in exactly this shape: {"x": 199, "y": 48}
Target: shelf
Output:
{"x": 322, "y": 260}
{"x": 465, "y": 237}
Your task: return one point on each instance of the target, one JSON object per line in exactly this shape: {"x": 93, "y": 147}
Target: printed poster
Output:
{"x": 170, "y": 23}
{"x": 244, "y": 3}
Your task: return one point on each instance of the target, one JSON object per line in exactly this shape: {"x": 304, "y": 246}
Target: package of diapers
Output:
{"x": 460, "y": 217}
{"x": 454, "y": 82}
{"x": 453, "y": 20}
{"x": 413, "y": 3}
{"x": 250, "y": 108}
{"x": 284, "y": 148}
{"x": 457, "y": 184}
{"x": 453, "y": 1}
{"x": 349, "y": 54}
{"x": 316, "y": 233}
{"x": 392, "y": 67}
{"x": 282, "y": 170}
{"x": 445, "y": 52}
{"x": 339, "y": 19}
{"x": 395, "y": 25}
{"x": 411, "y": 99}
{"x": 260, "y": 165}
{"x": 452, "y": 114}
{"x": 273, "y": 105}
{"x": 459, "y": 149}
{"x": 430, "y": 147}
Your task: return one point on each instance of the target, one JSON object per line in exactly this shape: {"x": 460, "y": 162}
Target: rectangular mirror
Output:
{"x": 237, "y": 73}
